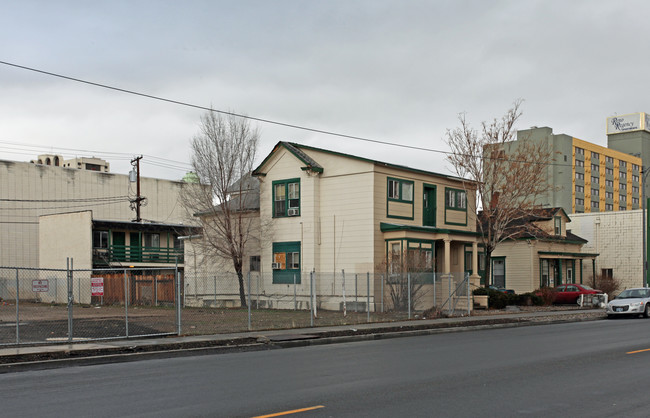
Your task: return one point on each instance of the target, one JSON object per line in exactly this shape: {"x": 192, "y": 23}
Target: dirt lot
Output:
{"x": 49, "y": 323}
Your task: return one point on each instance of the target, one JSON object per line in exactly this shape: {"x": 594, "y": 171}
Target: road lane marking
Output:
{"x": 638, "y": 351}
{"x": 294, "y": 411}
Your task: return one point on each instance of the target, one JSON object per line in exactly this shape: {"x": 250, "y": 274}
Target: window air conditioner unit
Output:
{"x": 275, "y": 266}
{"x": 292, "y": 212}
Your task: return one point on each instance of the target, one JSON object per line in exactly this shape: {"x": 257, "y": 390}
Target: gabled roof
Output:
{"x": 528, "y": 229}
{"x": 532, "y": 231}
{"x": 247, "y": 183}
{"x": 546, "y": 214}
{"x": 311, "y": 165}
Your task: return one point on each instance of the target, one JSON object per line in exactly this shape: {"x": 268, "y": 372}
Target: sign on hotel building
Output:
{"x": 631, "y": 134}
{"x": 628, "y": 123}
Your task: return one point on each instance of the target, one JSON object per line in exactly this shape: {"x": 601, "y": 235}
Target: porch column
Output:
{"x": 475, "y": 279}
{"x": 475, "y": 258}
{"x": 447, "y": 266}
{"x": 593, "y": 270}
{"x": 581, "y": 271}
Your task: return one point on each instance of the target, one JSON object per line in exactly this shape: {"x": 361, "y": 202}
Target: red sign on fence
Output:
{"x": 97, "y": 286}
{"x": 40, "y": 286}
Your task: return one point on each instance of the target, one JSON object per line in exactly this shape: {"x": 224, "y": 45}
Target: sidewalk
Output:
{"x": 50, "y": 356}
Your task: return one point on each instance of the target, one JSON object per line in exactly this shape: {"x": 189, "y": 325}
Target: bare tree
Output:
{"x": 509, "y": 176}
{"x": 406, "y": 274}
{"x": 226, "y": 198}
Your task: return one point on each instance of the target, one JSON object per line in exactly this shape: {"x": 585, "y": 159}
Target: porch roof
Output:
{"x": 562, "y": 254}
{"x": 144, "y": 226}
{"x": 388, "y": 227}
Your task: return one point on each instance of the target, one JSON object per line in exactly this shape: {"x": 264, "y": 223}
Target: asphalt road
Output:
{"x": 577, "y": 369}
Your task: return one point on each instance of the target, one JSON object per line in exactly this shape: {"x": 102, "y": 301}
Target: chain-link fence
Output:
{"x": 48, "y": 306}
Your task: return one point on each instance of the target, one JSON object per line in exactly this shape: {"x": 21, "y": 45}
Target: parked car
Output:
{"x": 570, "y": 293}
{"x": 630, "y": 302}
{"x": 501, "y": 289}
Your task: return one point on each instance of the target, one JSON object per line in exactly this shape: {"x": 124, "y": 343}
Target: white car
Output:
{"x": 630, "y": 302}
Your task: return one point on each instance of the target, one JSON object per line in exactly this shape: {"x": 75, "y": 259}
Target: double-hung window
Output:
{"x": 455, "y": 199}
{"x": 286, "y": 198}
{"x": 152, "y": 240}
{"x": 557, "y": 225}
{"x": 100, "y": 239}
{"x": 400, "y": 190}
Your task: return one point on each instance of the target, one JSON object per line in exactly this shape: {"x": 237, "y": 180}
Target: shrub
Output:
{"x": 607, "y": 285}
{"x": 530, "y": 299}
{"x": 499, "y": 300}
{"x": 496, "y": 299}
{"x": 547, "y": 295}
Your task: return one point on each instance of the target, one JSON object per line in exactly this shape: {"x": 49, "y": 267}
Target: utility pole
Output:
{"x": 138, "y": 199}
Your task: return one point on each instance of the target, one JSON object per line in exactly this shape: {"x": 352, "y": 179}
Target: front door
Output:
{"x": 135, "y": 247}
{"x": 119, "y": 250}
{"x": 429, "y": 206}
{"x": 499, "y": 272}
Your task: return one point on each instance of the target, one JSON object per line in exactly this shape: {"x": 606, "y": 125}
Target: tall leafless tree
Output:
{"x": 509, "y": 176}
{"x": 225, "y": 199}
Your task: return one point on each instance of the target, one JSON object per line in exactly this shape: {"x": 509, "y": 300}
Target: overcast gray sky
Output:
{"x": 396, "y": 71}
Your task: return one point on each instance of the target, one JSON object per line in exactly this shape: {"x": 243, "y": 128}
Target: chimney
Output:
{"x": 494, "y": 201}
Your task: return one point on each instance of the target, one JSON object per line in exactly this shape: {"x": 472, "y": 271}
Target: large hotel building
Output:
{"x": 592, "y": 178}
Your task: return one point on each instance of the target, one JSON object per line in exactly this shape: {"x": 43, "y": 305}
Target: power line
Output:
{"x": 151, "y": 159}
{"x": 69, "y": 206}
{"x": 88, "y": 199}
{"x": 223, "y": 112}
{"x": 257, "y": 119}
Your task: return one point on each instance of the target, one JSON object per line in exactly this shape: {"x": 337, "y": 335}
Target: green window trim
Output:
{"x": 407, "y": 248}
{"x": 400, "y": 190}
{"x": 288, "y": 192}
{"x": 455, "y": 199}
{"x": 291, "y": 254}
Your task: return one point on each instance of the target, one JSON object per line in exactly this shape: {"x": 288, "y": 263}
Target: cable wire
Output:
{"x": 262, "y": 120}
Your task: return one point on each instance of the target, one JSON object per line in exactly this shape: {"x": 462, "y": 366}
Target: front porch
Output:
{"x": 556, "y": 268}
{"x": 442, "y": 257}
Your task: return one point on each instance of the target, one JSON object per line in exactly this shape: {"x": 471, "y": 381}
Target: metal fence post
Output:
{"x": 450, "y": 302}
{"x": 382, "y": 293}
{"x": 315, "y": 293}
{"x": 215, "y": 290}
{"x": 17, "y": 308}
{"x": 126, "y": 304}
{"x": 155, "y": 288}
{"x": 468, "y": 294}
{"x": 408, "y": 278}
{"x": 249, "y": 301}
{"x": 257, "y": 296}
{"x": 178, "y": 298}
{"x": 311, "y": 297}
{"x": 434, "y": 289}
{"x": 356, "y": 292}
{"x": 345, "y": 307}
{"x": 295, "y": 302}
{"x": 70, "y": 298}
{"x": 368, "y": 292}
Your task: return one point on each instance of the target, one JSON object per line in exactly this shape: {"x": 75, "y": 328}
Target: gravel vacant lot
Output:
{"x": 49, "y": 323}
